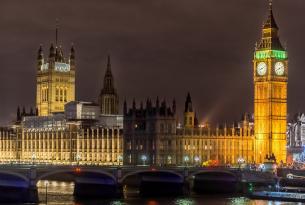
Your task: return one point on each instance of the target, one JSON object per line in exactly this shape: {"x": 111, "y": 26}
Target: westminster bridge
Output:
{"x": 110, "y": 181}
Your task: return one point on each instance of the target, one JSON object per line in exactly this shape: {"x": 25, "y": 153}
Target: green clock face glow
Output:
{"x": 279, "y": 68}
{"x": 261, "y": 68}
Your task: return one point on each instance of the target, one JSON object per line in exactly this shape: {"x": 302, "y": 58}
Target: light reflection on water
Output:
{"x": 61, "y": 193}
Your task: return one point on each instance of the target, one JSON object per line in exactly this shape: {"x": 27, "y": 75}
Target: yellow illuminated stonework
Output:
{"x": 270, "y": 94}
{"x": 55, "y": 81}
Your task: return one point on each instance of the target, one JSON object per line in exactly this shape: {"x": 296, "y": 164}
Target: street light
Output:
{"x": 78, "y": 158}
{"x": 33, "y": 158}
{"x": 197, "y": 159}
{"x": 144, "y": 158}
{"x": 240, "y": 161}
{"x": 169, "y": 159}
{"x": 120, "y": 158}
{"x": 46, "y": 183}
{"x": 186, "y": 159}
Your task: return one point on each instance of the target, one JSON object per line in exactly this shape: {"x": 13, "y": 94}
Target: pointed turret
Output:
{"x": 188, "y": 103}
{"x": 52, "y": 52}
{"x": 18, "y": 114}
{"x": 72, "y": 58}
{"x": 40, "y": 59}
{"x": 174, "y": 106}
{"x": 189, "y": 115}
{"x": 109, "y": 99}
{"x": 125, "y": 107}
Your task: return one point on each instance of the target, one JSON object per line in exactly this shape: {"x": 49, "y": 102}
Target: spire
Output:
{"x": 270, "y": 23}
{"x": 108, "y": 79}
{"x": 270, "y": 39}
{"x": 108, "y": 64}
{"x": 40, "y": 57}
{"x": 18, "y": 114}
{"x": 52, "y": 51}
{"x": 56, "y": 32}
{"x": 72, "y": 57}
{"x": 174, "y": 106}
{"x": 188, "y": 103}
{"x": 125, "y": 107}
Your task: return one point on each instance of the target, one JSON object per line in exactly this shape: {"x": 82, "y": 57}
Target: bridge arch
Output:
{"x": 75, "y": 171}
{"x": 23, "y": 177}
{"x": 132, "y": 173}
{"x": 225, "y": 172}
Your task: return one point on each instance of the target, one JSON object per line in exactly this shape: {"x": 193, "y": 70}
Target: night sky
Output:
{"x": 159, "y": 48}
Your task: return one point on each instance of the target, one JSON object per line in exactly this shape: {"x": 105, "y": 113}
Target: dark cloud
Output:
{"x": 159, "y": 47}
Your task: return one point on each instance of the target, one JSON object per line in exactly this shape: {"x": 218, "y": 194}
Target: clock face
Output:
{"x": 261, "y": 68}
{"x": 279, "y": 68}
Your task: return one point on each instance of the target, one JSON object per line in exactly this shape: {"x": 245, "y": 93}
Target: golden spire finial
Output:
{"x": 270, "y": 5}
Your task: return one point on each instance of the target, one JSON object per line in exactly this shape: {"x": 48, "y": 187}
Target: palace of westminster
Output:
{"x": 64, "y": 131}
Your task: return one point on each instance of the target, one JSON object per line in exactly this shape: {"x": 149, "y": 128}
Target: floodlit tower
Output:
{"x": 270, "y": 75}
{"x": 55, "y": 80}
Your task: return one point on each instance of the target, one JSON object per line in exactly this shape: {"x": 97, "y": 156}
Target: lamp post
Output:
{"x": 169, "y": 159}
{"x": 78, "y": 158}
{"x": 120, "y": 159}
{"x": 46, "y": 186}
{"x": 33, "y": 158}
{"x": 143, "y": 158}
{"x": 240, "y": 161}
{"x": 186, "y": 159}
{"x": 197, "y": 159}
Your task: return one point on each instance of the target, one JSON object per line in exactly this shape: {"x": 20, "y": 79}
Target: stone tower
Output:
{"x": 270, "y": 76}
{"x": 109, "y": 100}
{"x": 55, "y": 80}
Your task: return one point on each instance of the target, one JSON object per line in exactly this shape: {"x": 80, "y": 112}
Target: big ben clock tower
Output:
{"x": 270, "y": 93}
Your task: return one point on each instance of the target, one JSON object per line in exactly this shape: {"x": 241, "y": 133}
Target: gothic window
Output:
{"x": 61, "y": 95}
{"x": 56, "y": 94}
{"x": 190, "y": 121}
{"x": 65, "y": 95}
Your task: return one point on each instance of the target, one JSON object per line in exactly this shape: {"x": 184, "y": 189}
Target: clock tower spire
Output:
{"x": 270, "y": 92}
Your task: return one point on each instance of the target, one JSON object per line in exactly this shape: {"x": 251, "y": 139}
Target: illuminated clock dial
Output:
{"x": 261, "y": 68}
{"x": 279, "y": 68}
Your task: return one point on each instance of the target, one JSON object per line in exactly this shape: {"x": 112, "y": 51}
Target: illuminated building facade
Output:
{"x": 55, "y": 80}
{"x": 270, "y": 93}
{"x": 151, "y": 136}
{"x": 62, "y": 139}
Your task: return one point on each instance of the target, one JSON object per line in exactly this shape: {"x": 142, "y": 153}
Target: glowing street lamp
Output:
{"x": 33, "y": 158}
{"x": 197, "y": 159}
{"x": 120, "y": 159}
{"x": 78, "y": 158}
{"x": 186, "y": 159}
{"x": 240, "y": 161}
{"x": 169, "y": 159}
{"x": 144, "y": 158}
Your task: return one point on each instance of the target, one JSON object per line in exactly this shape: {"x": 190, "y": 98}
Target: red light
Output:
{"x": 153, "y": 169}
{"x": 77, "y": 170}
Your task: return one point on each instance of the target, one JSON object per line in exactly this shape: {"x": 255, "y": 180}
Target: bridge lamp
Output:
{"x": 120, "y": 159}
{"x": 197, "y": 159}
{"x": 169, "y": 159}
{"x": 33, "y": 157}
{"x": 144, "y": 158}
{"x": 186, "y": 159}
{"x": 78, "y": 158}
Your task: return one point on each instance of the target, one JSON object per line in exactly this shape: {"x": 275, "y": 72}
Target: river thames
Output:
{"x": 61, "y": 193}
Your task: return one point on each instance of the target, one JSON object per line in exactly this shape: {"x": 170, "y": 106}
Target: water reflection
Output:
{"x": 61, "y": 193}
